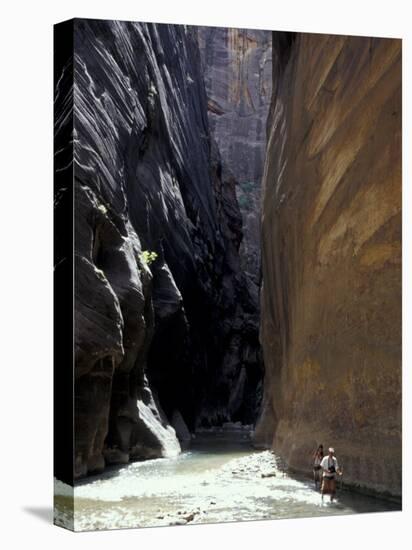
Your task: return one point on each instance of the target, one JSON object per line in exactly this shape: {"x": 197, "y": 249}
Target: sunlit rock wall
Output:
{"x": 331, "y": 298}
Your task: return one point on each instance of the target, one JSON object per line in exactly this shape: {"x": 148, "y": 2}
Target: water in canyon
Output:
{"x": 221, "y": 478}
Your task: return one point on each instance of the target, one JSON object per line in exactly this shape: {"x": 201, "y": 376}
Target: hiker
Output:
{"x": 317, "y": 468}
{"x": 330, "y": 467}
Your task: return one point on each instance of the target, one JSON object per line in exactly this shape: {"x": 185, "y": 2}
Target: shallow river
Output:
{"x": 218, "y": 479}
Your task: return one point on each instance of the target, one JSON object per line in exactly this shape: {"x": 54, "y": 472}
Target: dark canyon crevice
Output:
{"x": 171, "y": 338}
{"x": 237, "y": 66}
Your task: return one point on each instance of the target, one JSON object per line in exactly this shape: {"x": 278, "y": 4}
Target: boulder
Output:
{"x": 181, "y": 429}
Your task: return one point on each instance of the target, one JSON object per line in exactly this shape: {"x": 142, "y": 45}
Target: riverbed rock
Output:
{"x": 181, "y": 429}
{"x": 331, "y": 297}
{"x": 178, "y": 522}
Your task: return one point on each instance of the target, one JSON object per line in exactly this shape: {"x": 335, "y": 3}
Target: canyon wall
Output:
{"x": 166, "y": 336}
{"x": 237, "y": 66}
{"x": 331, "y": 297}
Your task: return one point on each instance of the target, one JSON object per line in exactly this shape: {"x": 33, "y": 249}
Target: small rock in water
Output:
{"x": 179, "y": 522}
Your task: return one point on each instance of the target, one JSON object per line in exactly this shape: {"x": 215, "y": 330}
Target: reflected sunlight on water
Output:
{"x": 217, "y": 480}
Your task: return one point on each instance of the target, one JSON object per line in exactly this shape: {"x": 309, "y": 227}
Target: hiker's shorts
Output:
{"x": 328, "y": 486}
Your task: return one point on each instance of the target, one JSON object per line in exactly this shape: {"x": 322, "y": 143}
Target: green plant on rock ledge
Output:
{"x": 147, "y": 257}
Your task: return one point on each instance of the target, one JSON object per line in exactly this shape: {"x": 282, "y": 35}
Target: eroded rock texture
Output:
{"x": 331, "y": 319}
{"x": 237, "y": 65}
{"x": 178, "y": 334}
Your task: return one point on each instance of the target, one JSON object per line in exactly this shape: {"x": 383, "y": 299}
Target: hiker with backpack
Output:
{"x": 330, "y": 468}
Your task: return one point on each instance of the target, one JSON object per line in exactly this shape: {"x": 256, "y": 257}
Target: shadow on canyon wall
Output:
{"x": 170, "y": 337}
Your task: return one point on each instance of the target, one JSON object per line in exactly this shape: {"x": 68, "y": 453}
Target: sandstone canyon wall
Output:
{"x": 331, "y": 297}
{"x": 174, "y": 337}
{"x": 237, "y": 65}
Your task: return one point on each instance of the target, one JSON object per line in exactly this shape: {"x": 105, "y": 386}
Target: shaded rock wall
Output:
{"x": 152, "y": 339}
{"x": 237, "y": 66}
{"x": 331, "y": 298}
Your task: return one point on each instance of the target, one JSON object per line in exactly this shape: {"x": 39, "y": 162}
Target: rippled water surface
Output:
{"x": 218, "y": 479}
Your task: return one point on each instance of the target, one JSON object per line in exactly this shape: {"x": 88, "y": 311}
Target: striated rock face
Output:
{"x": 152, "y": 335}
{"x": 331, "y": 298}
{"x": 237, "y": 66}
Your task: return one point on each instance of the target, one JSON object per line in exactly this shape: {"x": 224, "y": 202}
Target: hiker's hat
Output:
{"x": 331, "y": 450}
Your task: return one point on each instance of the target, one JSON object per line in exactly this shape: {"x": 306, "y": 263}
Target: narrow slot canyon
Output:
{"x": 237, "y": 266}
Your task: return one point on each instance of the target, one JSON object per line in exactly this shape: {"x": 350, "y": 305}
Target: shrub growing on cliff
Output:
{"x": 102, "y": 209}
{"x": 147, "y": 257}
